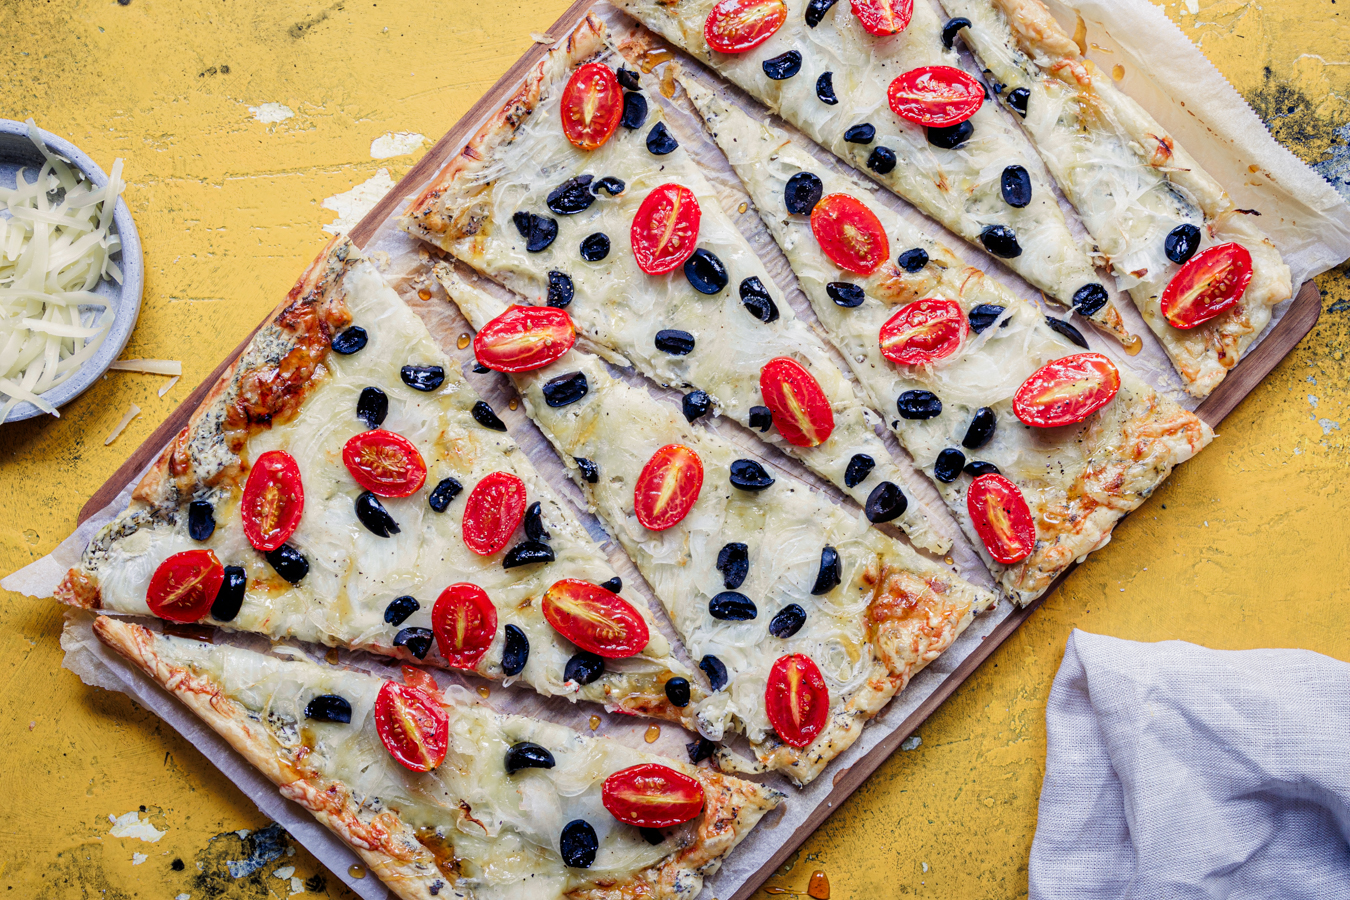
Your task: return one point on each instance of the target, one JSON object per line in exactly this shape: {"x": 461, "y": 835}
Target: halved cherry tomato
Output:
{"x": 185, "y": 585}
{"x": 412, "y": 725}
{"x": 800, "y": 408}
{"x": 524, "y": 338}
{"x": 493, "y": 511}
{"x": 924, "y": 331}
{"x": 385, "y": 463}
{"x": 1001, "y": 517}
{"x": 797, "y": 700}
{"x": 665, "y": 229}
{"x": 594, "y": 619}
{"x": 274, "y": 498}
{"x": 464, "y": 621}
{"x": 668, "y": 486}
{"x": 884, "y": 17}
{"x": 850, "y": 234}
{"x": 651, "y": 795}
{"x": 420, "y": 679}
{"x": 735, "y": 26}
{"x": 936, "y": 96}
{"x": 1208, "y": 285}
{"x": 1066, "y": 390}
{"x": 592, "y": 105}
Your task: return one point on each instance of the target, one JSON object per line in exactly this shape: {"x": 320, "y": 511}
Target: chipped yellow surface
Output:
{"x": 1244, "y": 547}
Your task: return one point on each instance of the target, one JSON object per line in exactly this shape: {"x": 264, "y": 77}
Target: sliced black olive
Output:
{"x": 614, "y": 585}
{"x": 859, "y": 467}
{"x": 372, "y": 406}
{"x": 560, "y": 290}
{"x": 584, "y": 667}
{"x": 527, "y": 553}
{"x": 674, "y": 341}
{"x": 1068, "y": 331}
{"x": 371, "y": 513}
{"x": 534, "y": 522}
{"x": 289, "y": 563}
{"x": 863, "y": 133}
{"x": 913, "y": 260}
{"x": 610, "y": 185}
{"x": 652, "y": 836}
{"x": 634, "y": 110}
{"x": 660, "y": 141}
{"x": 1089, "y": 298}
{"x": 231, "y": 596}
{"x": 350, "y": 341}
{"x": 1001, "y": 241}
{"x": 565, "y": 389}
{"x": 538, "y": 231}
{"x": 527, "y": 755}
{"x": 981, "y": 429}
{"x": 755, "y": 298}
{"x": 749, "y": 475}
{"x": 975, "y": 468}
{"x": 572, "y": 196}
{"x": 828, "y": 578}
{"x": 443, "y": 493}
{"x": 948, "y": 465}
{"x": 700, "y": 750}
{"x": 329, "y": 708}
{"x": 483, "y": 415}
{"x": 516, "y": 652}
{"x": 400, "y": 608}
{"x": 825, "y": 89}
{"x": 705, "y": 272}
{"x": 201, "y": 520}
{"x": 595, "y": 247}
{"x": 677, "y": 691}
{"x": 480, "y": 368}
{"x": 816, "y": 10}
{"x": 1016, "y": 184}
{"x": 730, "y": 606}
{"x": 1181, "y": 243}
{"x": 416, "y": 640}
{"x": 696, "y": 404}
{"x": 422, "y": 378}
{"x": 803, "y": 193}
{"x": 1017, "y": 99}
{"x": 918, "y": 405}
{"x": 984, "y": 315}
{"x": 788, "y": 622}
{"x": 783, "y": 66}
{"x": 950, "y": 30}
{"x": 628, "y": 79}
{"x": 761, "y": 417}
{"x": 952, "y": 136}
{"x": 881, "y": 160}
{"x": 715, "y": 670}
{"x": 578, "y": 844}
{"x": 589, "y": 470}
{"x": 733, "y": 561}
{"x": 886, "y": 502}
{"x": 845, "y": 294}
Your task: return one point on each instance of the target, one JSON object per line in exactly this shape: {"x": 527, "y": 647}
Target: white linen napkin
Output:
{"x": 1175, "y": 771}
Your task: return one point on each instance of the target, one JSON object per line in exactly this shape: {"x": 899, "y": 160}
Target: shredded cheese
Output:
{"x": 55, "y": 247}
{"x": 148, "y": 366}
{"x": 131, "y": 413}
{"x": 168, "y": 386}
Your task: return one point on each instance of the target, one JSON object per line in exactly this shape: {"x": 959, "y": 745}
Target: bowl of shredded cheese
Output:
{"x": 70, "y": 271}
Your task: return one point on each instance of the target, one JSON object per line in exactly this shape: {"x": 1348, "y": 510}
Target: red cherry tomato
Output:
{"x": 592, "y": 105}
{"x": 735, "y": 26}
{"x": 274, "y": 498}
{"x": 1001, "y": 517}
{"x": 420, "y": 679}
{"x": 801, "y": 411}
{"x": 884, "y": 17}
{"x": 668, "y": 486}
{"x": 936, "y": 96}
{"x": 850, "y": 234}
{"x": 524, "y": 338}
{"x": 385, "y": 463}
{"x": 1066, "y": 390}
{"x": 493, "y": 511}
{"x": 185, "y": 585}
{"x": 652, "y": 796}
{"x": 412, "y": 725}
{"x": 924, "y": 331}
{"x": 594, "y": 619}
{"x": 1208, "y": 285}
{"x": 665, "y": 229}
{"x": 464, "y": 621}
{"x": 797, "y": 700}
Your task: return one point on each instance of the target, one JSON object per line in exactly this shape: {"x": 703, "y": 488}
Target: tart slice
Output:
{"x": 805, "y": 619}
{"x": 624, "y": 233}
{"x": 343, "y": 485}
{"x": 443, "y": 797}
{"x": 1038, "y": 446}
{"x": 1202, "y": 273}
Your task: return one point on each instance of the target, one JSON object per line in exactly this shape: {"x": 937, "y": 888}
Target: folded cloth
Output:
{"x": 1175, "y": 771}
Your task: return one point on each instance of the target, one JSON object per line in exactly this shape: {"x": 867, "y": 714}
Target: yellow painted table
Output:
{"x": 238, "y": 118}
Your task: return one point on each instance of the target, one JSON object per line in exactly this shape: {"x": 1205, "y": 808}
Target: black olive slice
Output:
{"x": 949, "y": 31}
{"x": 1017, "y": 99}
{"x": 886, "y": 502}
{"x": 881, "y": 160}
{"x": 329, "y": 708}
{"x": 634, "y": 110}
{"x": 952, "y": 136}
{"x": 527, "y": 553}
{"x": 783, "y": 66}
{"x": 483, "y": 415}
{"x": 610, "y": 185}
{"x": 761, "y": 417}
{"x": 948, "y": 465}
{"x": 705, "y": 272}
{"x": 528, "y": 755}
{"x": 862, "y": 133}
{"x": 828, "y": 578}
{"x": 572, "y": 196}
{"x": 816, "y": 10}
{"x": 372, "y": 406}
{"x": 715, "y": 670}
{"x": 560, "y": 290}
{"x": 660, "y": 141}
{"x": 400, "y": 608}
{"x": 584, "y": 667}
{"x": 652, "y": 836}
{"x": 1001, "y": 241}
{"x": 1089, "y": 299}
{"x": 1073, "y": 335}
{"x": 677, "y": 691}
{"x": 700, "y": 750}
{"x": 628, "y": 79}
{"x": 913, "y": 260}
{"x": 918, "y": 405}
{"x": 1181, "y": 243}
{"x": 416, "y": 641}
{"x": 825, "y": 89}
{"x": 595, "y": 247}
{"x": 589, "y": 470}
{"x": 802, "y": 193}
{"x": 696, "y": 404}
{"x": 480, "y": 368}
{"x": 674, "y": 341}
{"x": 422, "y": 378}
{"x": 614, "y": 585}
{"x": 441, "y": 495}
{"x": 538, "y": 231}
{"x": 975, "y": 468}
{"x": 534, "y": 522}
{"x": 565, "y": 389}
{"x": 859, "y": 467}
{"x": 749, "y": 475}
{"x": 231, "y": 596}
{"x": 730, "y": 606}
{"x": 788, "y": 622}
{"x": 516, "y": 652}
{"x": 349, "y": 341}
{"x": 371, "y": 513}
{"x": 981, "y": 429}
{"x": 578, "y": 844}
{"x": 1016, "y": 185}
{"x": 984, "y": 315}
{"x": 755, "y": 298}
{"x": 201, "y": 520}
{"x": 733, "y": 561}
{"x": 289, "y": 563}
{"x": 845, "y": 294}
